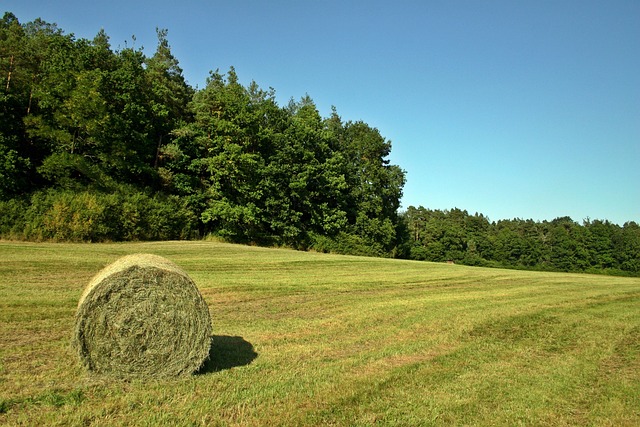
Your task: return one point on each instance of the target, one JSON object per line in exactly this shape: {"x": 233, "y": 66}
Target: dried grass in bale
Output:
{"x": 142, "y": 316}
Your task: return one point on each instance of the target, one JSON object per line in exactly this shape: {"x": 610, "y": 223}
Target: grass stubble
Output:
{"x": 316, "y": 339}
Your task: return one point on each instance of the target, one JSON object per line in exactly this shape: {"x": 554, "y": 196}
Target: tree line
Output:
{"x": 98, "y": 144}
{"x": 101, "y": 144}
{"x": 454, "y": 235}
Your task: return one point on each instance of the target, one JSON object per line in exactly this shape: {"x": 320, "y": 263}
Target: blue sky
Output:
{"x": 513, "y": 109}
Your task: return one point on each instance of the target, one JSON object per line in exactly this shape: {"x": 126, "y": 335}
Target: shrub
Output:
{"x": 88, "y": 216}
{"x": 347, "y": 244}
{"x": 12, "y": 214}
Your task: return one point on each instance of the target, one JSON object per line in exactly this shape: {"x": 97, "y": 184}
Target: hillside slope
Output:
{"x": 309, "y": 339}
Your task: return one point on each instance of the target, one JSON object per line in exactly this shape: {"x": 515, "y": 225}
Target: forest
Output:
{"x": 104, "y": 145}
{"x": 98, "y": 144}
{"x": 595, "y": 246}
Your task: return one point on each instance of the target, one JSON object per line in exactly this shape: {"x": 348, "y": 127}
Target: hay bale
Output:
{"x": 142, "y": 316}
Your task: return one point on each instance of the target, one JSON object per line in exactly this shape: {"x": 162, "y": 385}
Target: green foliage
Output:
{"x": 73, "y": 171}
{"x": 12, "y": 220}
{"x": 66, "y": 215}
{"x": 12, "y": 170}
{"x": 282, "y": 175}
{"x": 344, "y": 243}
{"x": 83, "y": 122}
{"x": 558, "y": 245}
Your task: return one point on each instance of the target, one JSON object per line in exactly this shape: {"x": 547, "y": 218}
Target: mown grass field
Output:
{"x": 316, "y": 339}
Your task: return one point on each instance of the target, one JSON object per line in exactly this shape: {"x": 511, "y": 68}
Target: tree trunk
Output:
{"x": 33, "y": 83}
{"x": 155, "y": 163}
{"x": 9, "y": 74}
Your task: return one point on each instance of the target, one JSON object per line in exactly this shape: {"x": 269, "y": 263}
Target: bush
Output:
{"x": 87, "y": 216}
{"x": 62, "y": 215}
{"x": 12, "y": 213}
{"x": 346, "y": 244}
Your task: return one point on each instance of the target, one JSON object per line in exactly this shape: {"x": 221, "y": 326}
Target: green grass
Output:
{"x": 315, "y": 339}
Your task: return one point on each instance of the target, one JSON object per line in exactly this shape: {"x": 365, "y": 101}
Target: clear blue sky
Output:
{"x": 527, "y": 109}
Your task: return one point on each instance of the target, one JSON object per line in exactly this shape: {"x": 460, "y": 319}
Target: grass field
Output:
{"x": 316, "y": 339}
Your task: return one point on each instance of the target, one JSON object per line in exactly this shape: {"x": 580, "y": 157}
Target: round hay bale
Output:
{"x": 142, "y": 316}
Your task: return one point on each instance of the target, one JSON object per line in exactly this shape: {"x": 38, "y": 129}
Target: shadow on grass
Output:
{"x": 228, "y": 352}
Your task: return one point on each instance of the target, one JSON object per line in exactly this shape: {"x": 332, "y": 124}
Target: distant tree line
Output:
{"x": 594, "y": 246}
{"x": 97, "y": 144}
